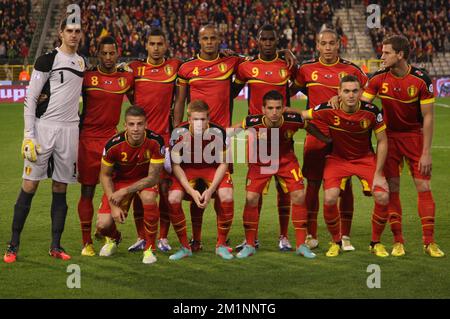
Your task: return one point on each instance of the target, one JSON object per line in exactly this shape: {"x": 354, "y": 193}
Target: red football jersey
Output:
{"x": 154, "y": 89}
{"x": 211, "y": 81}
{"x": 401, "y": 98}
{"x": 284, "y": 140}
{"x": 186, "y": 152}
{"x": 131, "y": 163}
{"x": 320, "y": 81}
{"x": 261, "y": 77}
{"x": 351, "y": 132}
{"x": 102, "y": 101}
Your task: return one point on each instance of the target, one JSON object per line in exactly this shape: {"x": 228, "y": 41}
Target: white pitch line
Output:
{"x": 443, "y": 105}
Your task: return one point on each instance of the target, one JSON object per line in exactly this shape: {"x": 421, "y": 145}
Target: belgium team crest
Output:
{"x": 283, "y": 73}
{"x": 222, "y": 67}
{"x": 168, "y": 69}
{"x": 122, "y": 82}
{"x": 364, "y": 123}
{"x": 412, "y": 90}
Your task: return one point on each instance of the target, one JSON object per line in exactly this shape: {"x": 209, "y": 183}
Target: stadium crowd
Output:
{"x": 424, "y": 23}
{"x": 16, "y": 28}
{"x": 297, "y": 22}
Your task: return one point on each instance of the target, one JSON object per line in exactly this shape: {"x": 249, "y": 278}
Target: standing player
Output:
{"x": 154, "y": 91}
{"x": 351, "y": 128}
{"x": 286, "y": 168}
{"x": 265, "y": 73}
{"x": 195, "y": 138}
{"x": 407, "y": 99}
{"x": 319, "y": 80}
{"x": 104, "y": 87}
{"x": 50, "y": 144}
{"x": 206, "y": 77}
{"x": 131, "y": 166}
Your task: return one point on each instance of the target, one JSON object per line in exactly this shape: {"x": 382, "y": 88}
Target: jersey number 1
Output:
{"x": 62, "y": 76}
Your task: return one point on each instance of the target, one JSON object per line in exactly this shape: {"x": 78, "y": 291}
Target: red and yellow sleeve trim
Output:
{"x": 310, "y": 113}
{"x": 368, "y": 95}
{"x": 239, "y": 81}
{"x": 157, "y": 161}
{"x": 381, "y": 128}
{"x": 427, "y": 101}
{"x": 107, "y": 163}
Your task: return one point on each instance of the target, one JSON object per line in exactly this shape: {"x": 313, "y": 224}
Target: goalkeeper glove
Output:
{"x": 30, "y": 149}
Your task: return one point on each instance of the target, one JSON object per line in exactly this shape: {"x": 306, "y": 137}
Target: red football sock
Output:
{"x": 312, "y": 205}
{"x": 86, "y": 212}
{"x": 427, "y": 209}
{"x": 111, "y": 232}
{"x": 197, "y": 221}
{"x": 284, "y": 210}
{"x": 250, "y": 217}
{"x": 379, "y": 218}
{"x": 395, "y": 216}
{"x": 138, "y": 213}
{"x": 346, "y": 209}
{"x": 300, "y": 221}
{"x": 224, "y": 221}
{"x": 164, "y": 219}
{"x": 151, "y": 217}
{"x": 332, "y": 219}
{"x": 179, "y": 223}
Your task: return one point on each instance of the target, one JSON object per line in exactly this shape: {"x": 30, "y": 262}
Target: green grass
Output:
{"x": 269, "y": 274}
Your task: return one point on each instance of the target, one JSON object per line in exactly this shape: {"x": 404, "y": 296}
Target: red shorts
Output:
{"x": 288, "y": 175}
{"x": 338, "y": 171}
{"x": 314, "y": 153}
{"x": 89, "y": 159}
{"x": 404, "y": 146}
{"x": 205, "y": 174}
{"x": 126, "y": 202}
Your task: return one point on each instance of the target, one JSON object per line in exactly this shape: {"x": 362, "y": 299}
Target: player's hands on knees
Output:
{"x": 30, "y": 149}
{"x": 118, "y": 214}
{"x": 381, "y": 182}
{"x": 334, "y": 102}
{"x": 425, "y": 164}
{"x": 197, "y": 197}
{"x": 117, "y": 197}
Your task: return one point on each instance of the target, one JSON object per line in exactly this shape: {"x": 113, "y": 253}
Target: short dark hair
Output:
{"x": 107, "y": 40}
{"x": 332, "y": 31}
{"x": 399, "y": 43}
{"x": 273, "y": 96}
{"x": 135, "y": 110}
{"x": 156, "y": 32}
{"x": 349, "y": 78}
{"x": 267, "y": 27}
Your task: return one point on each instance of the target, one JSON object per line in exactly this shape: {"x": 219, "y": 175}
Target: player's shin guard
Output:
{"x": 312, "y": 206}
{"x": 21, "y": 210}
{"x": 379, "y": 219}
{"x": 58, "y": 214}
{"x": 284, "y": 210}
{"x": 332, "y": 219}
{"x": 196, "y": 220}
{"x": 138, "y": 214}
{"x": 250, "y": 217}
{"x": 427, "y": 209}
{"x": 300, "y": 221}
{"x": 395, "y": 216}
{"x": 151, "y": 218}
{"x": 224, "y": 221}
{"x": 164, "y": 218}
{"x": 86, "y": 213}
{"x": 178, "y": 221}
{"x": 346, "y": 209}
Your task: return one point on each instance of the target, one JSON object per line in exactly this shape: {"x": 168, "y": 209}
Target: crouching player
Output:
{"x": 131, "y": 165}
{"x": 270, "y": 129}
{"x": 351, "y": 129}
{"x": 198, "y": 151}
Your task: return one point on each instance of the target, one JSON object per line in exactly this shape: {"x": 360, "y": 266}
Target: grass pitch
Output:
{"x": 268, "y": 274}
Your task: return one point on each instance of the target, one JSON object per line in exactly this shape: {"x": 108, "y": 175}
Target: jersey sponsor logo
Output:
{"x": 364, "y": 123}
{"x": 168, "y": 69}
{"x": 268, "y": 73}
{"x": 122, "y": 82}
{"x": 412, "y": 90}
{"x": 328, "y": 76}
{"x": 283, "y": 73}
{"x": 291, "y": 116}
{"x": 317, "y": 107}
{"x": 419, "y": 73}
{"x": 254, "y": 120}
{"x": 117, "y": 138}
{"x": 430, "y": 88}
{"x": 222, "y": 67}
{"x": 379, "y": 118}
